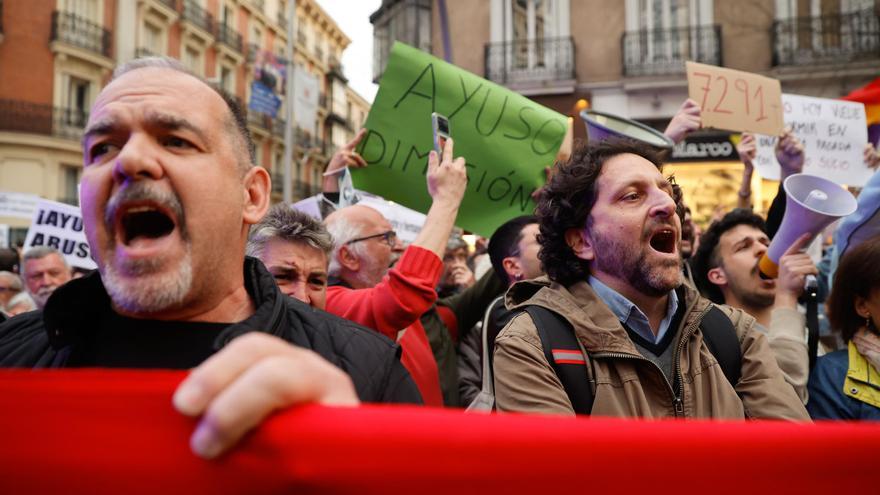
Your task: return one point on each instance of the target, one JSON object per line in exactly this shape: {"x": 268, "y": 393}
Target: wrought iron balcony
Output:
{"x": 260, "y": 120}
{"x": 664, "y": 51}
{"x": 543, "y": 59}
{"x": 277, "y": 181}
{"x": 278, "y": 127}
{"x": 75, "y": 30}
{"x": 826, "y": 39}
{"x": 198, "y": 16}
{"x": 36, "y": 118}
{"x": 229, "y": 37}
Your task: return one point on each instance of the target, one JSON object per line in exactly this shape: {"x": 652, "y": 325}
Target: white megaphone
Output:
{"x": 601, "y": 126}
{"x": 812, "y": 203}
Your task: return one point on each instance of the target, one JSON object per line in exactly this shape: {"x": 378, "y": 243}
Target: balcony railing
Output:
{"x": 827, "y": 39}
{"x": 229, "y": 37}
{"x": 664, "y": 51}
{"x": 277, "y": 182}
{"x": 260, "y": 120}
{"x": 278, "y": 127}
{"x": 36, "y": 118}
{"x": 195, "y": 14}
{"x": 75, "y": 30}
{"x": 544, "y": 59}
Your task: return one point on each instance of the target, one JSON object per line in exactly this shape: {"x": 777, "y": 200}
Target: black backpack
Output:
{"x": 568, "y": 361}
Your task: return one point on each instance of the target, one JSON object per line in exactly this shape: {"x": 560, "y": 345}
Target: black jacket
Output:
{"x": 45, "y": 339}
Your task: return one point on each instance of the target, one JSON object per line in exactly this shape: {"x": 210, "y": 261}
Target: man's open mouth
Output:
{"x": 144, "y": 221}
{"x": 663, "y": 240}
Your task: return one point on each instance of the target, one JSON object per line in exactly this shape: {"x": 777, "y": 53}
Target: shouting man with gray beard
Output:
{"x": 169, "y": 191}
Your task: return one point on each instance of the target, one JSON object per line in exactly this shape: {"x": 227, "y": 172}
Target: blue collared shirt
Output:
{"x": 630, "y": 315}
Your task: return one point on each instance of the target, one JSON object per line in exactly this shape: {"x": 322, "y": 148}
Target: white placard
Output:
{"x": 4, "y": 235}
{"x": 834, "y": 133}
{"x": 60, "y": 226}
{"x": 17, "y": 205}
{"x": 305, "y": 108}
{"x": 405, "y": 221}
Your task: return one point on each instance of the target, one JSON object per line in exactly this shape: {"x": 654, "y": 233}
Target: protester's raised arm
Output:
{"x": 789, "y": 154}
{"x": 345, "y": 156}
{"x": 685, "y": 121}
{"x": 447, "y": 180}
{"x": 747, "y": 151}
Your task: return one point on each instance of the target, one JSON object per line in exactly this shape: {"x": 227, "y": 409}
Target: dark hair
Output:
{"x": 504, "y": 241}
{"x": 706, "y": 257}
{"x": 858, "y": 274}
{"x": 569, "y": 196}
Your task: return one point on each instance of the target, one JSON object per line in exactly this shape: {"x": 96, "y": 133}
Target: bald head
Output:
{"x": 362, "y": 249}
{"x": 236, "y": 121}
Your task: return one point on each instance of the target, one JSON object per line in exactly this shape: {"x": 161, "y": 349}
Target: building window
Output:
{"x": 153, "y": 42}
{"x": 408, "y": 21}
{"x": 822, "y": 31}
{"x": 227, "y": 79}
{"x": 70, "y": 184}
{"x": 85, "y": 9}
{"x": 77, "y": 102}
{"x": 192, "y": 59}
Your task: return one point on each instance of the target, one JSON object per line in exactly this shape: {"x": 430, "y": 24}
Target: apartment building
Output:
{"x": 56, "y": 55}
{"x": 626, "y": 57}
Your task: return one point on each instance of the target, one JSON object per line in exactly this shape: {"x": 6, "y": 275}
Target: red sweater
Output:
{"x": 396, "y": 303}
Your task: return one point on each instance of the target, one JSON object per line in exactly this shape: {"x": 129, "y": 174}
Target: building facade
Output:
{"x": 626, "y": 57}
{"x": 56, "y": 55}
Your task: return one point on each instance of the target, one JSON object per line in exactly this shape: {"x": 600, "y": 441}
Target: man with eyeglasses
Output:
{"x": 399, "y": 302}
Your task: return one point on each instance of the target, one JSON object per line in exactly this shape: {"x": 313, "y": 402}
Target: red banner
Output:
{"x": 116, "y": 432}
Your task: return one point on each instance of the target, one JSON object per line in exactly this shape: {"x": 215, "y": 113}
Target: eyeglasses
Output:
{"x": 388, "y": 237}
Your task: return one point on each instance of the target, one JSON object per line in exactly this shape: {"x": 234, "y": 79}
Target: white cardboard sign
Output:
{"x": 60, "y": 226}
{"x": 834, "y": 133}
{"x": 17, "y": 205}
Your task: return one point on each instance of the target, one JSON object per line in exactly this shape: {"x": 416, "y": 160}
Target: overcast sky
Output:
{"x": 353, "y": 17}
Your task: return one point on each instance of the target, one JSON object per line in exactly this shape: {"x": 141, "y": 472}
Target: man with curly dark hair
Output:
{"x": 610, "y": 245}
{"x": 725, "y": 270}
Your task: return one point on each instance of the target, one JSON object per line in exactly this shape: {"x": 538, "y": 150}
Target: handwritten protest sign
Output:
{"x": 735, "y": 100}
{"x": 506, "y": 139}
{"x": 60, "y": 226}
{"x": 834, "y": 133}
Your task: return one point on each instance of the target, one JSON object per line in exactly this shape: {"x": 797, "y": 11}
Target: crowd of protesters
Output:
{"x": 609, "y": 300}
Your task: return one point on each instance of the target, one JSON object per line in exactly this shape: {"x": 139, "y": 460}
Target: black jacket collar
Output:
{"x": 74, "y": 307}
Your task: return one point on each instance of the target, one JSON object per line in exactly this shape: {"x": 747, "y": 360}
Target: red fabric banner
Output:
{"x": 115, "y": 432}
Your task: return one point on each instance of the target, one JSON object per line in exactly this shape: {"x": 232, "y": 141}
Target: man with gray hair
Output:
{"x": 294, "y": 247}
{"x": 44, "y": 269}
{"x": 169, "y": 190}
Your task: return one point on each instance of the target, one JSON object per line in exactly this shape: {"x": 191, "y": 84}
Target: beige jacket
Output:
{"x": 626, "y": 383}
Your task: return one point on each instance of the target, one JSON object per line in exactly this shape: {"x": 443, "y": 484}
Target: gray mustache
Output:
{"x": 141, "y": 191}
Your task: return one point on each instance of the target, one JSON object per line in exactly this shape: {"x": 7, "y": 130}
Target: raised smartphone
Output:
{"x": 440, "y": 126}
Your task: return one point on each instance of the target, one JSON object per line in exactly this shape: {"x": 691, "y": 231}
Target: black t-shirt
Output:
{"x": 116, "y": 341}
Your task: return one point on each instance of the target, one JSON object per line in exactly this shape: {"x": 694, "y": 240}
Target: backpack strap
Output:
{"x": 565, "y": 355}
{"x": 721, "y": 339}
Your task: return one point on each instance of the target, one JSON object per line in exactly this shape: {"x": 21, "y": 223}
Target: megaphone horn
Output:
{"x": 601, "y": 126}
{"x": 812, "y": 203}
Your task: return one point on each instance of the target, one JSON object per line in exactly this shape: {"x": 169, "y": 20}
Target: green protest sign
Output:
{"x": 506, "y": 139}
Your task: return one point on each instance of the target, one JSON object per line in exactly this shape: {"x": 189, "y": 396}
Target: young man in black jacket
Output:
{"x": 168, "y": 193}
